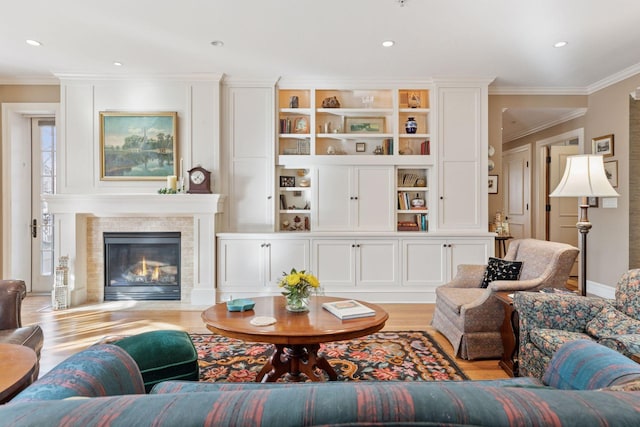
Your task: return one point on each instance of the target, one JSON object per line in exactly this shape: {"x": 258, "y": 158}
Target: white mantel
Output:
{"x": 71, "y": 211}
{"x": 138, "y": 204}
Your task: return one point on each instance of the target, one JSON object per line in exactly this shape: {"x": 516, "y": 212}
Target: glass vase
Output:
{"x": 296, "y": 303}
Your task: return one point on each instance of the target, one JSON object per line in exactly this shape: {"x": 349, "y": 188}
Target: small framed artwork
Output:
{"x": 301, "y": 125}
{"x": 287, "y": 181}
{"x": 592, "y": 202}
{"x": 364, "y": 124}
{"x": 602, "y": 145}
{"x": 137, "y": 146}
{"x": 361, "y": 147}
{"x": 611, "y": 170}
{"x": 493, "y": 184}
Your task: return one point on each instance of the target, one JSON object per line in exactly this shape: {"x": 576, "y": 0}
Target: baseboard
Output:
{"x": 600, "y": 290}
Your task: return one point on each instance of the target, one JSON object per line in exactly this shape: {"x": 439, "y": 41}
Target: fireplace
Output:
{"x": 141, "y": 266}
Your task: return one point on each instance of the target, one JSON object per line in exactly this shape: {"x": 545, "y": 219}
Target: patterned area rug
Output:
{"x": 386, "y": 356}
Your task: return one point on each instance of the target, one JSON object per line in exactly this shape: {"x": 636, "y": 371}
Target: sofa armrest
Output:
{"x": 467, "y": 276}
{"x": 100, "y": 370}
{"x": 556, "y": 311}
{"x": 514, "y": 285}
{"x": 587, "y": 365}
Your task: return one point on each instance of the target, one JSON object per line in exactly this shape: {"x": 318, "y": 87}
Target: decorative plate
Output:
{"x": 492, "y": 151}
{"x": 491, "y": 165}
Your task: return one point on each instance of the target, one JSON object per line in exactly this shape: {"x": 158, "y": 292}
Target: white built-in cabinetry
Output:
{"x": 354, "y": 198}
{"x": 248, "y": 150}
{"x": 329, "y": 188}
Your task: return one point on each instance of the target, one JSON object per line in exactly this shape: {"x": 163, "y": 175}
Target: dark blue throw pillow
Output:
{"x": 499, "y": 269}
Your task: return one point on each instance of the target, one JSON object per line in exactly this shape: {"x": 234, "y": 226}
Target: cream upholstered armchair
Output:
{"x": 470, "y": 316}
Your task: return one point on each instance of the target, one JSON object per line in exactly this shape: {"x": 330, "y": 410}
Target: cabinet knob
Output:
{"x": 441, "y": 198}
{"x": 355, "y": 198}
{"x": 268, "y": 197}
{"x": 357, "y": 246}
{"x": 262, "y": 245}
{"x": 353, "y": 245}
{"x": 268, "y": 245}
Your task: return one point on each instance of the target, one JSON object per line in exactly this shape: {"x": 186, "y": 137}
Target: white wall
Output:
{"x": 196, "y": 99}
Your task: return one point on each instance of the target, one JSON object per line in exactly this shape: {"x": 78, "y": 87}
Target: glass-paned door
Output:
{"x": 43, "y": 131}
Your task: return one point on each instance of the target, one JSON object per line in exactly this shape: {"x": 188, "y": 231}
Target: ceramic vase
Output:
{"x": 411, "y": 126}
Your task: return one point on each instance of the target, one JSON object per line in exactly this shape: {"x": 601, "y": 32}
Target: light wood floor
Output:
{"x": 69, "y": 331}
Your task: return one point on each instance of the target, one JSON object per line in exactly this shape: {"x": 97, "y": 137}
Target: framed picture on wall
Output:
{"x": 493, "y": 184}
{"x": 602, "y": 145}
{"x": 611, "y": 170}
{"x": 138, "y": 146}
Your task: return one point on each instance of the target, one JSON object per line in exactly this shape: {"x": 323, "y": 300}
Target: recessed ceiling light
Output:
{"x": 388, "y": 43}
{"x": 117, "y": 63}
{"x": 217, "y": 43}
{"x": 33, "y": 43}
{"x": 560, "y": 44}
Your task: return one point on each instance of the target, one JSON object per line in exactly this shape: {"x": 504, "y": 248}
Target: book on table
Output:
{"x": 349, "y": 309}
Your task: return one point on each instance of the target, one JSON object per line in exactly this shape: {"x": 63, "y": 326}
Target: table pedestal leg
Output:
{"x": 295, "y": 360}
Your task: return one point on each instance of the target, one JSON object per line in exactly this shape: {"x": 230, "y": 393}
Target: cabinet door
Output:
{"x": 462, "y": 159}
{"x": 377, "y": 263}
{"x": 249, "y": 134}
{"x": 250, "y": 202}
{"x": 423, "y": 263}
{"x": 240, "y": 265}
{"x": 467, "y": 251}
{"x": 334, "y": 264}
{"x": 335, "y": 202}
{"x": 375, "y": 203}
{"x": 282, "y": 256}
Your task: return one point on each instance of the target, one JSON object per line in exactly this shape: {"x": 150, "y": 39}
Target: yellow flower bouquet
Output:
{"x": 297, "y": 288}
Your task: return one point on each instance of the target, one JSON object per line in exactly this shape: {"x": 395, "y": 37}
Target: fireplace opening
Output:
{"x": 142, "y": 266}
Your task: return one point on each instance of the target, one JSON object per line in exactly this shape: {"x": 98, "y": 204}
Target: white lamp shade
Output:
{"x": 584, "y": 176}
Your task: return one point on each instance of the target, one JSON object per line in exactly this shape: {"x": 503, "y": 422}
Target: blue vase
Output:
{"x": 411, "y": 126}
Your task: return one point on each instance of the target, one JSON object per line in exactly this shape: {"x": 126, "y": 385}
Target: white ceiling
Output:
{"x": 329, "y": 39}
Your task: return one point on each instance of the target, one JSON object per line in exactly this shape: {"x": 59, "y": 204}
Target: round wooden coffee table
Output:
{"x": 296, "y": 336}
{"x": 17, "y": 364}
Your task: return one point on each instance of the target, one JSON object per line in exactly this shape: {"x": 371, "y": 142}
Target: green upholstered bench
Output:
{"x": 162, "y": 355}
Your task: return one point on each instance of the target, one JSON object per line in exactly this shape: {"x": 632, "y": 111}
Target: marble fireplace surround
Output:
{"x": 81, "y": 220}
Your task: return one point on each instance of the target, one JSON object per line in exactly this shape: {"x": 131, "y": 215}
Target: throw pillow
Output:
{"x": 610, "y": 322}
{"x": 499, "y": 269}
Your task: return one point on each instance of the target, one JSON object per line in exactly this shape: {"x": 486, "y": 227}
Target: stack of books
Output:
{"x": 349, "y": 309}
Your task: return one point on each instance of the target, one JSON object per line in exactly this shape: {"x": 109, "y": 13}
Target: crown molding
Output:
{"x": 147, "y": 77}
{"x": 513, "y": 90}
{"x": 35, "y": 80}
{"x": 614, "y": 78}
{"x": 578, "y": 112}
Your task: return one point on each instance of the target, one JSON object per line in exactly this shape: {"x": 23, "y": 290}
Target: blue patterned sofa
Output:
{"x": 548, "y": 321}
{"x": 586, "y": 385}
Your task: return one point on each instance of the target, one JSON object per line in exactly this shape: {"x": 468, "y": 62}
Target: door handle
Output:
{"x": 34, "y": 228}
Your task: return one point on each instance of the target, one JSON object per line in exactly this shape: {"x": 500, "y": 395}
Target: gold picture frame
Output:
{"x": 603, "y": 145}
{"x": 138, "y": 146}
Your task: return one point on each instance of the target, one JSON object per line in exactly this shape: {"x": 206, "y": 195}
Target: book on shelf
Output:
{"x": 349, "y": 309}
{"x": 425, "y": 148}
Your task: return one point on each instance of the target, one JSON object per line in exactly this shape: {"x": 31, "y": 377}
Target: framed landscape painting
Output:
{"x": 138, "y": 146}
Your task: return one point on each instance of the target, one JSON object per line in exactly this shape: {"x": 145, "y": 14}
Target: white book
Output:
{"x": 349, "y": 309}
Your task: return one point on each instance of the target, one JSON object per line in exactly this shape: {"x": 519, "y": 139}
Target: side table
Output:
{"x": 509, "y": 331}
{"x": 501, "y": 242}
{"x": 17, "y": 364}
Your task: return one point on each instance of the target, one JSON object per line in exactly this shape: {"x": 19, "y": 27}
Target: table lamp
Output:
{"x": 584, "y": 177}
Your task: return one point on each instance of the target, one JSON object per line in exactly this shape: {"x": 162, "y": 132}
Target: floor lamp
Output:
{"x": 584, "y": 177}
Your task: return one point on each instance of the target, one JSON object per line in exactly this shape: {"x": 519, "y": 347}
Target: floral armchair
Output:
{"x": 549, "y": 320}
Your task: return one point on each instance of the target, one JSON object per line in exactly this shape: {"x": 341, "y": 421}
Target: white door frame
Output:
{"x": 15, "y": 119}
{"x": 540, "y": 176}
